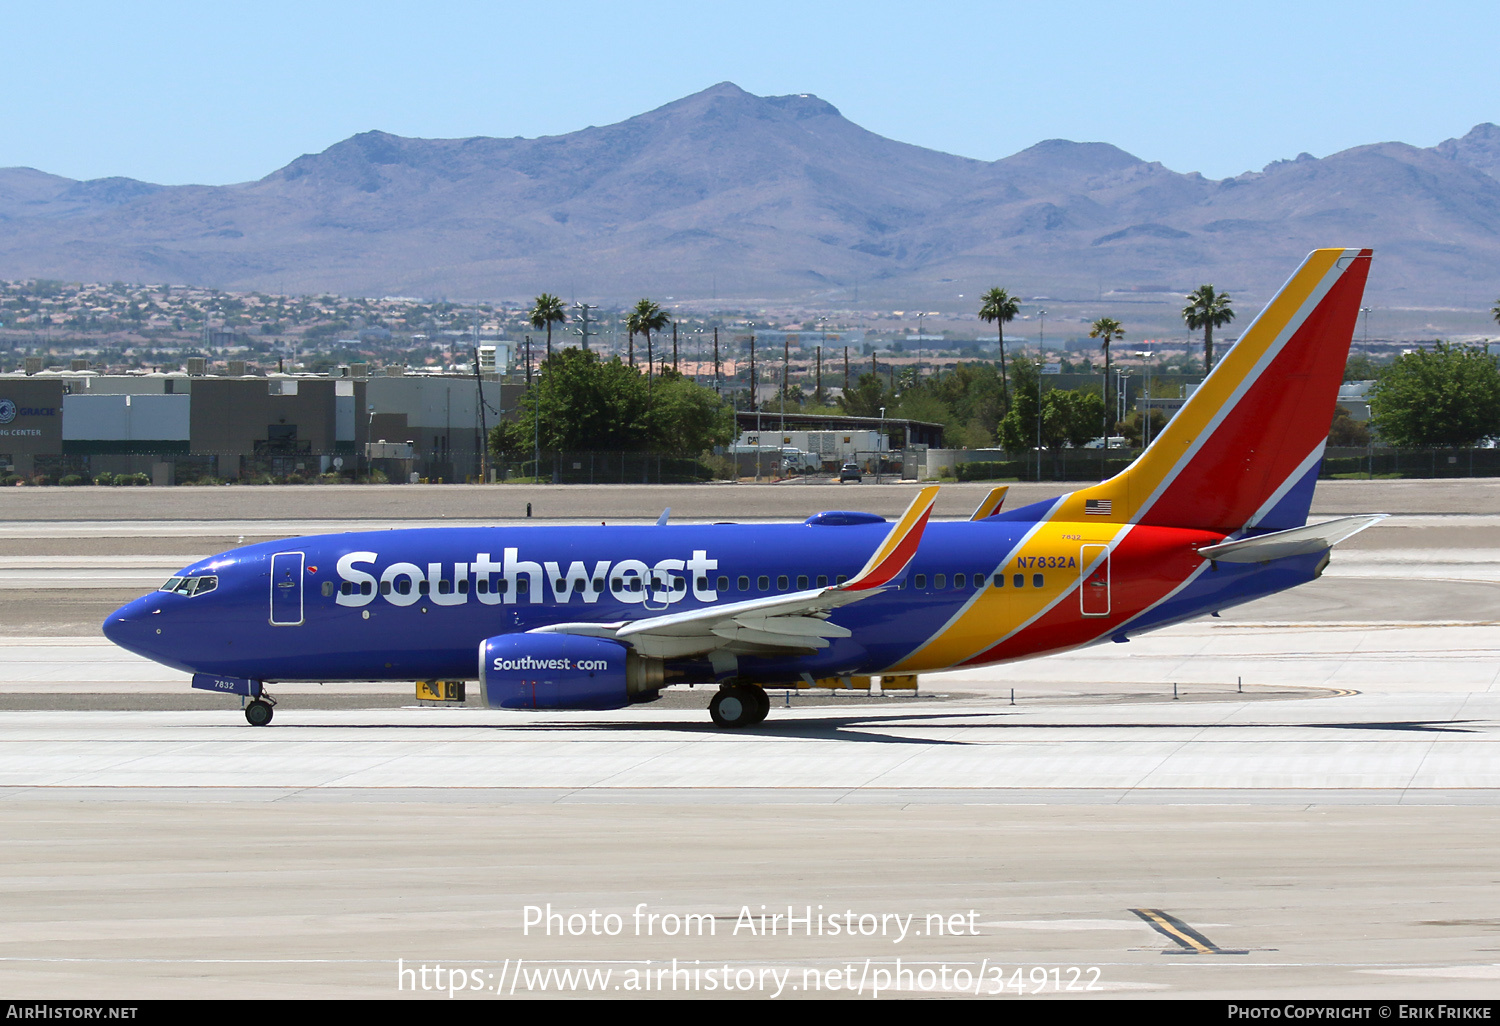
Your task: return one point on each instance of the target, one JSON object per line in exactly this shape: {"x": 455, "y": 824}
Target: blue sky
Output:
{"x": 204, "y": 93}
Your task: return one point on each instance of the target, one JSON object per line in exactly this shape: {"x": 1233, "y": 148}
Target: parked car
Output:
{"x": 850, "y": 472}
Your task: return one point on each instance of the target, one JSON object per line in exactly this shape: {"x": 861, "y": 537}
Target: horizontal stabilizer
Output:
{"x": 1299, "y": 541}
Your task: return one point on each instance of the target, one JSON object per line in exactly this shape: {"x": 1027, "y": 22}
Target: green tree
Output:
{"x": 1069, "y": 417}
{"x": 582, "y": 404}
{"x": 547, "y": 311}
{"x": 1018, "y": 428}
{"x": 1000, "y": 308}
{"x": 687, "y": 419}
{"x": 1448, "y": 395}
{"x": 1346, "y": 431}
{"x": 643, "y": 320}
{"x": 1133, "y": 427}
{"x": 867, "y": 396}
{"x": 1359, "y": 367}
{"x": 1106, "y": 329}
{"x": 1207, "y": 309}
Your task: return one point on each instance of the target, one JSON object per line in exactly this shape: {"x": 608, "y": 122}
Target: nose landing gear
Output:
{"x": 739, "y": 705}
{"x": 258, "y": 713}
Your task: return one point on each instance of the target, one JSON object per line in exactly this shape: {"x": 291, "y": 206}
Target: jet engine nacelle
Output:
{"x": 564, "y": 671}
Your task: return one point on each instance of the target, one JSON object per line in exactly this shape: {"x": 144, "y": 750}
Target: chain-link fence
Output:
{"x": 1340, "y": 463}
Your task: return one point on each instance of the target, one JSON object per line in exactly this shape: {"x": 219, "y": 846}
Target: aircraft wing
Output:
{"x": 796, "y": 622}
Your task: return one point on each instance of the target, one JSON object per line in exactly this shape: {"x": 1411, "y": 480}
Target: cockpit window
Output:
{"x": 190, "y": 585}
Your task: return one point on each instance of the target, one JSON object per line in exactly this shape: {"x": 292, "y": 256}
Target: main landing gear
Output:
{"x": 739, "y": 705}
{"x": 258, "y": 713}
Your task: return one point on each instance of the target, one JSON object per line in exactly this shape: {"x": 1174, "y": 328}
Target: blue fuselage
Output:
{"x": 416, "y": 604}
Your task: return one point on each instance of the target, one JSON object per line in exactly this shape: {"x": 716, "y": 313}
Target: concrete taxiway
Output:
{"x": 1312, "y": 815}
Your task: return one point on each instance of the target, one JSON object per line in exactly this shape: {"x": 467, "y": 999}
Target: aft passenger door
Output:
{"x": 1093, "y": 586}
{"x": 286, "y": 589}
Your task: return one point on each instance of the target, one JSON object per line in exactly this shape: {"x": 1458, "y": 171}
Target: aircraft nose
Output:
{"x": 128, "y": 626}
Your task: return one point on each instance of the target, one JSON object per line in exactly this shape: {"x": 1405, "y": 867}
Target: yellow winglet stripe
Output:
{"x": 991, "y": 504}
{"x": 899, "y": 546}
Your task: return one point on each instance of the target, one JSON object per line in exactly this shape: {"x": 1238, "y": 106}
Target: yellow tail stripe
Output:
{"x": 1133, "y": 487}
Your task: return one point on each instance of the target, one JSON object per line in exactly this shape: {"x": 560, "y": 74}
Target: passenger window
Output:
{"x": 327, "y": 589}
{"x": 423, "y": 588}
{"x": 366, "y": 588}
{"x": 502, "y": 586}
{"x": 842, "y": 578}
{"x": 940, "y": 581}
{"x": 598, "y": 584}
{"x": 404, "y": 586}
{"x": 802, "y": 583}
{"x": 1036, "y": 580}
{"x": 781, "y": 582}
{"x": 723, "y": 584}
{"x": 484, "y": 586}
{"x": 1019, "y": 580}
{"x": 764, "y": 582}
{"x": 920, "y": 581}
{"x": 385, "y": 587}
{"x": 744, "y": 584}
{"x": 445, "y": 587}
{"x": 959, "y": 580}
{"x": 463, "y": 586}
{"x": 999, "y": 580}
{"x": 523, "y": 584}
{"x": 703, "y": 584}
{"x": 822, "y": 580}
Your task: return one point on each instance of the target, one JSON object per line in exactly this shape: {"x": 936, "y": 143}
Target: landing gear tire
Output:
{"x": 739, "y": 705}
{"x": 762, "y": 703}
{"x": 258, "y": 713}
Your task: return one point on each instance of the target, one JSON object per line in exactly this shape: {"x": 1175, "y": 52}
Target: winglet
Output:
{"x": 991, "y": 504}
{"x": 899, "y": 546}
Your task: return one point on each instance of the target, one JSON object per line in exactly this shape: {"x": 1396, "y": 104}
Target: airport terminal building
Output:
{"x": 180, "y": 427}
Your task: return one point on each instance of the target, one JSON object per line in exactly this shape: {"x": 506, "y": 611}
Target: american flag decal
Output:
{"x": 1098, "y": 507}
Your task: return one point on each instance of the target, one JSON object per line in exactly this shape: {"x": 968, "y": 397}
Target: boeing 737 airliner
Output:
{"x": 1211, "y": 515}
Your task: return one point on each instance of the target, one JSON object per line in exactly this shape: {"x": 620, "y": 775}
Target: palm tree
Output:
{"x": 548, "y": 311}
{"x": 643, "y": 320}
{"x": 1208, "y": 310}
{"x": 1000, "y": 306}
{"x": 1108, "y": 329}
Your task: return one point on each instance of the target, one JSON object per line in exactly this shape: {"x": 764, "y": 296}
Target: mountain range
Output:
{"x": 727, "y": 195}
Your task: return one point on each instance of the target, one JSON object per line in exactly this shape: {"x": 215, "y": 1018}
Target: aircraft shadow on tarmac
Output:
{"x": 862, "y": 728}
